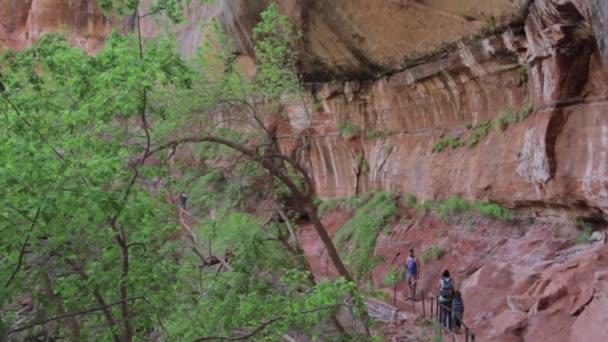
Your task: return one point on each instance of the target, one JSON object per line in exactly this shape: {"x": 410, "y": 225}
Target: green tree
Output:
{"x": 87, "y": 232}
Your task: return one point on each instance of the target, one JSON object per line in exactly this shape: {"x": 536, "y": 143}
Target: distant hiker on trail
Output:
{"x": 446, "y": 294}
{"x": 413, "y": 271}
{"x": 458, "y": 306}
{"x": 182, "y": 200}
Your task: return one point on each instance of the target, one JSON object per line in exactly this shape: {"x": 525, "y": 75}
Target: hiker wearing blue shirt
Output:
{"x": 413, "y": 271}
{"x": 446, "y": 295}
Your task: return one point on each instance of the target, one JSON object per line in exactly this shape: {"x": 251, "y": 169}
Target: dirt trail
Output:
{"x": 520, "y": 281}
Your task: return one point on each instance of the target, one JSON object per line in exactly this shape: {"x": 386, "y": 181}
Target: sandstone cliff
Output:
{"x": 434, "y": 87}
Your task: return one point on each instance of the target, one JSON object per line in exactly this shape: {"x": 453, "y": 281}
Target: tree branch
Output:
{"x": 261, "y": 327}
{"x": 71, "y": 314}
{"x": 22, "y": 249}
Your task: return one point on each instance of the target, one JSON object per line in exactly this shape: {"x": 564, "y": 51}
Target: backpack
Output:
{"x": 446, "y": 291}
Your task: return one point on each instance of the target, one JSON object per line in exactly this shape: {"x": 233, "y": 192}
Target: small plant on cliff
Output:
{"x": 585, "y": 230}
{"x": 434, "y": 252}
{"x": 522, "y": 74}
{"x": 448, "y": 142}
{"x": 362, "y": 230}
{"x": 479, "y": 131}
{"x": 348, "y": 130}
{"x": 509, "y": 116}
{"x": 410, "y": 200}
{"x": 375, "y": 134}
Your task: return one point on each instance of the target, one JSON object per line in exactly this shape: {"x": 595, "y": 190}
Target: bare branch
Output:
{"x": 261, "y": 327}
{"x": 22, "y": 249}
{"x": 72, "y": 314}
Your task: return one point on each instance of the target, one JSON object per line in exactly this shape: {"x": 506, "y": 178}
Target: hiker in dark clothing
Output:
{"x": 446, "y": 294}
{"x": 458, "y": 306}
{"x": 182, "y": 200}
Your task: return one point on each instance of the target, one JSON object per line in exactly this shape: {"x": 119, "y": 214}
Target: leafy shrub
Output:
{"x": 431, "y": 253}
{"x": 522, "y": 74}
{"x": 346, "y": 204}
{"x": 585, "y": 231}
{"x": 444, "y": 143}
{"x": 394, "y": 276}
{"x": 458, "y": 205}
{"x": 375, "y": 134}
{"x": 506, "y": 117}
{"x": 525, "y": 110}
{"x": 362, "y": 230}
{"x": 348, "y": 130}
{"x": 479, "y": 131}
{"x": 509, "y": 115}
{"x": 410, "y": 201}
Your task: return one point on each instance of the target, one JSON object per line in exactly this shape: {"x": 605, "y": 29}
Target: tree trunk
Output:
{"x": 70, "y": 322}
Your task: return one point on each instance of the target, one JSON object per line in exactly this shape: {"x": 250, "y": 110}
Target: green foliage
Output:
{"x": 522, "y": 74}
{"x": 457, "y": 206}
{"x": 509, "y": 115}
{"x": 410, "y": 201}
{"x": 585, "y": 230}
{"x": 431, "y": 253}
{"x": 66, "y": 186}
{"x": 362, "y": 230}
{"x": 375, "y": 134}
{"x": 448, "y": 142}
{"x": 348, "y": 130}
{"x": 346, "y": 204}
{"x": 479, "y": 131}
{"x": 275, "y": 53}
{"x": 394, "y": 276}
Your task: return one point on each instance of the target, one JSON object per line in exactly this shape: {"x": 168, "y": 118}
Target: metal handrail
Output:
{"x": 469, "y": 335}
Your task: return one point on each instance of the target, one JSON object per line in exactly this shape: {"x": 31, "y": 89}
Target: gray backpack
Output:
{"x": 447, "y": 289}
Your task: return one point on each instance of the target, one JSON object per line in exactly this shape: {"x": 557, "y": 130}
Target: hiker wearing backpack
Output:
{"x": 446, "y": 294}
{"x": 413, "y": 271}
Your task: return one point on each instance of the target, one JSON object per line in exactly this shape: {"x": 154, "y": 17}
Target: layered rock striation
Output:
{"x": 408, "y": 80}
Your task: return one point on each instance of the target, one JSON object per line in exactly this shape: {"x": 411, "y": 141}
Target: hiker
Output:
{"x": 458, "y": 306}
{"x": 182, "y": 200}
{"x": 413, "y": 272}
{"x": 446, "y": 294}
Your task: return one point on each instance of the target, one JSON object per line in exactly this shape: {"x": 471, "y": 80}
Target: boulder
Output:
{"x": 548, "y": 299}
{"x": 579, "y": 302}
{"x": 592, "y": 324}
{"x": 598, "y": 236}
{"x": 520, "y": 303}
{"x": 509, "y": 322}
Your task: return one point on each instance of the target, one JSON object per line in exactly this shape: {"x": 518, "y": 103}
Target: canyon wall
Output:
{"x": 555, "y": 158}
{"x": 406, "y": 74}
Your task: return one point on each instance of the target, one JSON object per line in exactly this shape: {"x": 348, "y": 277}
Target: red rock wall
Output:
{"x": 555, "y": 158}
{"x": 23, "y": 21}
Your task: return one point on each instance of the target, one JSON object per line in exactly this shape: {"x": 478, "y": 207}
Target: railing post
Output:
{"x": 423, "y": 306}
